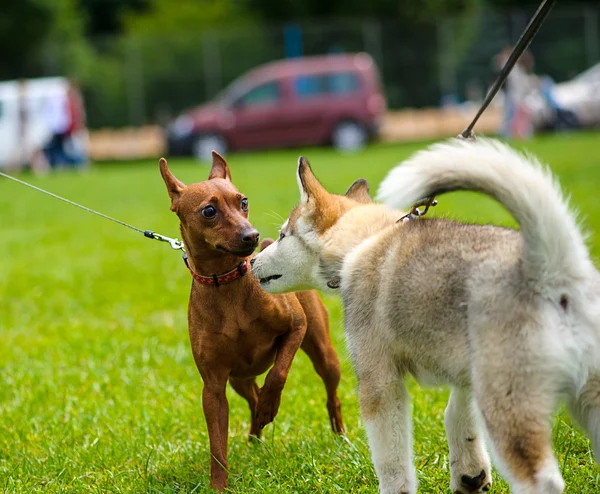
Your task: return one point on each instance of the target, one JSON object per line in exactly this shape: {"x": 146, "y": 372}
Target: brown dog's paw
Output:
{"x": 219, "y": 481}
{"x": 267, "y": 407}
{"x": 265, "y": 243}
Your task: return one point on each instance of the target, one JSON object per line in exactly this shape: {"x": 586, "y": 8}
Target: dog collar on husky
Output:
{"x": 219, "y": 279}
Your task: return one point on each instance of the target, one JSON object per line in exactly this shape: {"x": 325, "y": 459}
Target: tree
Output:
{"x": 506, "y": 4}
{"x": 106, "y": 17}
{"x": 421, "y": 11}
{"x": 24, "y": 25}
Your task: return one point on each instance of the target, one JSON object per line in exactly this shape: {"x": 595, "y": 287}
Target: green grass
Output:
{"x": 98, "y": 389}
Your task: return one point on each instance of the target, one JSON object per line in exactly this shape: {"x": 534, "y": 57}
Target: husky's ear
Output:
{"x": 174, "y": 186}
{"x": 220, "y": 168}
{"x": 310, "y": 187}
{"x": 359, "y": 191}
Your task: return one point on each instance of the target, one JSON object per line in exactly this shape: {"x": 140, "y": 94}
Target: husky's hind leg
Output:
{"x": 469, "y": 462}
{"x": 515, "y": 390}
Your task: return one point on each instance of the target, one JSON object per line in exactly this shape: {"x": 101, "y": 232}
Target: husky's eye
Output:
{"x": 209, "y": 212}
{"x": 281, "y": 236}
{"x": 244, "y": 204}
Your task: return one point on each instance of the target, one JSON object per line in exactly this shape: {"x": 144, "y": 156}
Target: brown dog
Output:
{"x": 237, "y": 330}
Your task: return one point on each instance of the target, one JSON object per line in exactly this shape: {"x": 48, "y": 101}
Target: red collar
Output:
{"x": 219, "y": 279}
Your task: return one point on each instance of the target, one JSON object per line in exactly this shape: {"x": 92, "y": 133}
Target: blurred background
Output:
{"x": 122, "y": 79}
{"x": 98, "y": 390}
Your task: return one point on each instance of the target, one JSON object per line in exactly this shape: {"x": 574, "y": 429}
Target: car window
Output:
{"x": 310, "y": 86}
{"x": 260, "y": 95}
{"x": 343, "y": 83}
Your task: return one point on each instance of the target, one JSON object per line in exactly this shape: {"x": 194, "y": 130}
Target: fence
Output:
{"x": 143, "y": 80}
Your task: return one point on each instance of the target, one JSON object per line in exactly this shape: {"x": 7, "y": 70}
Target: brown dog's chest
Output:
{"x": 240, "y": 334}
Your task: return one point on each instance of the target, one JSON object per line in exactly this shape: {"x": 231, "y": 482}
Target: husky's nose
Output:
{"x": 250, "y": 237}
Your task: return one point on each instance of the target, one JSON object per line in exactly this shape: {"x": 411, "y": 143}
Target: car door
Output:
{"x": 318, "y": 100}
{"x": 258, "y": 119}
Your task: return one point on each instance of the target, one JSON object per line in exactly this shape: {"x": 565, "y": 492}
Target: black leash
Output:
{"x": 173, "y": 242}
{"x": 524, "y": 41}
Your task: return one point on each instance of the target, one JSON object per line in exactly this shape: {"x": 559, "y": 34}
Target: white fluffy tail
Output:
{"x": 554, "y": 251}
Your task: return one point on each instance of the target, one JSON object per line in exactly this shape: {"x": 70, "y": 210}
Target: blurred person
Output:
{"x": 77, "y": 134}
{"x": 65, "y": 116}
{"x": 517, "y": 121}
{"x": 58, "y": 119}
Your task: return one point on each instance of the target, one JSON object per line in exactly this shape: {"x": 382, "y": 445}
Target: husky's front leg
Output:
{"x": 470, "y": 469}
{"x": 384, "y": 404}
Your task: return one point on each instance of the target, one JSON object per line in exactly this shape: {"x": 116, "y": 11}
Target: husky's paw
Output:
{"x": 478, "y": 483}
{"x": 398, "y": 485}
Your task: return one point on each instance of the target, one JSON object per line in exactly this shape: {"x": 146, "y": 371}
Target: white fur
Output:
{"x": 303, "y": 194}
{"x": 290, "y": 258}
{"x": 465, "y": 439}
{"x": 555, "y": 249}
{"x": 547, "y": 481}
{"x": 558, "y": 347}
{"x": 390, "y": 439}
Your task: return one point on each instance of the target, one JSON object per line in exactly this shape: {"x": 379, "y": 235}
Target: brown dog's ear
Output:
{"x": 220, "y": 168}
{"x": 174, "y": 186}
{"x": 359, "y": 191}
{"x": 310, "y": 187}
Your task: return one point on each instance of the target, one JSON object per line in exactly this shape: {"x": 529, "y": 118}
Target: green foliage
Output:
{"x": 506, "y": 4}
{"x": 187, "y": 54}
{"x": 408, "y": 10}
{"x": 104, "y": 18}
{"x": 24, "y": 25}
{"x": 186, "y": 17}
{"x": 98, "y": 388}
{"x": 144, "y": 61}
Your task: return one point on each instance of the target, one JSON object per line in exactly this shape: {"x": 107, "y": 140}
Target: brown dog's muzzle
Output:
{"x": 250, "y": 237}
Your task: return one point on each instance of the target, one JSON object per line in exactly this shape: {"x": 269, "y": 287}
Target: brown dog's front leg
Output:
{"x": 270, "y": 394}
{"x": 216, "y": 413}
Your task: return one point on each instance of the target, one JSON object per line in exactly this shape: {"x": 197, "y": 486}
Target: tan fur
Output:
{"x": 453, "y": 303}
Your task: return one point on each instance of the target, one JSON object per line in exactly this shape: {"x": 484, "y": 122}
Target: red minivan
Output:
{"x": 333, "y": 99}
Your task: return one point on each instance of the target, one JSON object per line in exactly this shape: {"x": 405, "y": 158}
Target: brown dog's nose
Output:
{"x": 250, "y": 237}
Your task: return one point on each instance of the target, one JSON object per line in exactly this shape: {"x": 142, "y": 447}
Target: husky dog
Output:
{"x": 509, "y": 319}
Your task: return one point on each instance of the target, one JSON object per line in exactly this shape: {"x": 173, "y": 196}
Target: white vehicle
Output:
{"x": 24, "y": 130}
{"x": 578, "y": 102}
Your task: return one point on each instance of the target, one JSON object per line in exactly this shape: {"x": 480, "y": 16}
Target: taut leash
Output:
{"x": 173, "y": 242}
{"x": 524, "y": 41}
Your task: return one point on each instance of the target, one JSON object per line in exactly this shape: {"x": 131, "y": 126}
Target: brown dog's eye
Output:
{"x": 244, "y": 204}
{"x": 209, "y": 212}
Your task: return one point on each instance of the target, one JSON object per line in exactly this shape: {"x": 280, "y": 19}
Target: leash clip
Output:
{"x": 334, "y": 284}
{"x": 416, "y": 212}
{"x": 175, "y": 243}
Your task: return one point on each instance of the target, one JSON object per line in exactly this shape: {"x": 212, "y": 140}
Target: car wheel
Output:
{"x": 349, "y": 136}
{"x": 206, "y": 143}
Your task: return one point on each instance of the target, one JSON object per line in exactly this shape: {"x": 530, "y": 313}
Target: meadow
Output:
{"x": 98, "y": 389}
